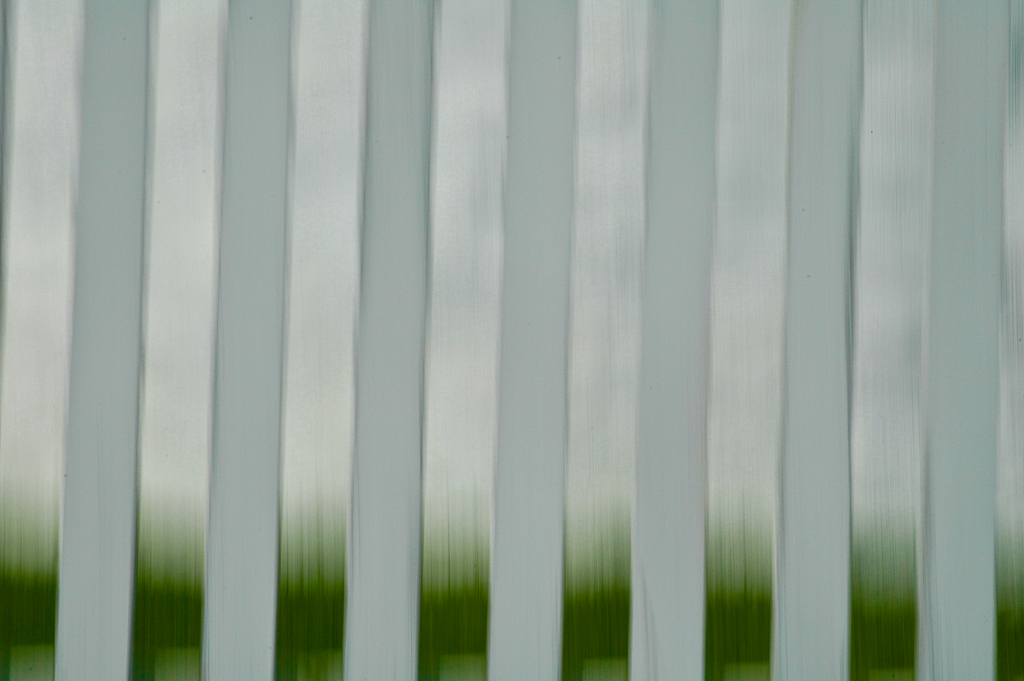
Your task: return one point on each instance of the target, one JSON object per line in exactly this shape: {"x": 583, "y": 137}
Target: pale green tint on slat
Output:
{"x": 1010, "y": 471}
{"x": 460, "y": 424}
{"x": 890, "y": 269}
{"x": 316, "y": 458}
{"x": 176, "y": 392}
{"x": 747, "y": 319}
{"x": 40, "y": 167}
{"x": 607, "y": 259}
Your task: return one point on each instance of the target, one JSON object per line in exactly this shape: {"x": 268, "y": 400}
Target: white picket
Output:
{"x": 958, "y": 626}
{"x": 383, "y": 585}
{"x": 813, "y": 585}
{"x": 526, "y": 586}
{"x": 667, "y": 638}
{"x": 241, "y": 567}
{"x": 96, "y": 562}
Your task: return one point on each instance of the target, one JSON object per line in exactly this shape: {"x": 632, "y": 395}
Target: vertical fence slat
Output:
{"x": 667, "y": 637}
{"x": 527, "y": 561}
{"x": 241, "y": 572}
{"x": 380, "y": 640}
{"x": 963, "y": 381}
{"x": 1010, "y": 468}
{"x": 93, "y": 606}
{"x": 814, "y": 552}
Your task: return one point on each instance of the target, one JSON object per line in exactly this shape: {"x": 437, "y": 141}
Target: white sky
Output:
{"x": 891, "y": 264}
{"x": 467, "y": 174}
{"x": 748, "y": 286}
{"x": 40, "y": 171}
{"x": 607, "y": 260}
{"x": 181, "y": 264}
{"x": 325, "y": 193}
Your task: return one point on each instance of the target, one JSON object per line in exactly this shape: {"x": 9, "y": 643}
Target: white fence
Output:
{"x": 681, "y": 336}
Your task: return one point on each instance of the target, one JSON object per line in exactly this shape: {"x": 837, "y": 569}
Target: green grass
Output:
{"x": 595, "y": 625}
{"x": 166, "y": 614}
{"x": 453, "y": 621}
{"x": 596, "y": 597}
{"x": 738, "y": 599}
{"x": 310, "y": 627}
{"x": 1009, "y": 641}
{"x": 1009, "y": 607}
{"x": 454, "y": 601}
{"x": 883, "y": 635}
{"x": 738, "y": 629}
{"x": 28, "y": 613}
{"x": 883, "y": 603}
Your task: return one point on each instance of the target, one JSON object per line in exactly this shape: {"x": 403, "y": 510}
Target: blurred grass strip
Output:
{"x": 167, "y": 614}
{"x": 1009, "y": 641}
{"x": 1010, "y": 608}
{"x": 453, "y": 622}
{"x": 738, "y": 629}
{"x": 28, "y": 612}
{"x": 595, "y": 626}
{"x": 167, "y": 607}
{"x": 883, "y": 602}
{"x": 454, "y": 602}
{"x": 739, "y": 598}
{"x": 883, "y": 636}
{"x": 310, "y": 628}
{"x": 596, "y": 592}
